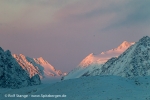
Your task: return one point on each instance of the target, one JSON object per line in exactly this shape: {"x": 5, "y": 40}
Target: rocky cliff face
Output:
{"x": 12, "y": 75}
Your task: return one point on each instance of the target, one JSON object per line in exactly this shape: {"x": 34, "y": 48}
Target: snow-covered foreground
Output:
{"x": 86, "y": 88}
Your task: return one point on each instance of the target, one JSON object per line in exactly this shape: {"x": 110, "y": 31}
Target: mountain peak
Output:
{"x": 87, "y": 61}
{"x": 1, "y": 49}
{"x": 144, "y": 43}
{"x": 40, "y": 60}
{"x": 38, "y": 66}
{"x": 131, "y": 63}
{"x": 125, "y": 44}
{"x": 8, "y": 52}
{"x": 104, "y": 56}
{"x": 91, "y": 55}
{"x": 144, "y": 39}
{"x": 21, "y": 55}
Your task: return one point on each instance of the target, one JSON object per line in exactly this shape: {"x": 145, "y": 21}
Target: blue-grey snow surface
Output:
{"x": 90, "y": 88}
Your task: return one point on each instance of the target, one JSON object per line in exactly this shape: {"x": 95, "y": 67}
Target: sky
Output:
{"x": 64, "y": 32}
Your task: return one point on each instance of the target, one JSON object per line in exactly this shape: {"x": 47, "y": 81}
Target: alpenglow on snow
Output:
{"x": 37, "y": 66}
{"x": 11, "y": 73}
{"x": 92, "y": 61}
{"x": 135, "y": 61}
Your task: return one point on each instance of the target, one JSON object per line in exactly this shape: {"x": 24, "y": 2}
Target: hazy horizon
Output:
{"x": 65, "y": 32}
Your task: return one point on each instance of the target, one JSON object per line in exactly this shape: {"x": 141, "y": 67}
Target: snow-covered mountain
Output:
{"x": 11, "y": 73}
{"x": 135, "y": 61}
{"x": 125, "y": 77}
{"x": 92, "y": 61}
{"x": 104, "y": 56}
{"x": 37, "y": 66}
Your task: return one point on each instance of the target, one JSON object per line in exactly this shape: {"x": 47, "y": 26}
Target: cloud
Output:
{"x": 104, "y": 15}
{"x": 91, "y": 15}
{"x": 51, "y": 3}
{"x": 81, "y": 15}
{"x": 30, "y": 14}
{"x": 137, "y": 13}
{"x": 32, "y": 2}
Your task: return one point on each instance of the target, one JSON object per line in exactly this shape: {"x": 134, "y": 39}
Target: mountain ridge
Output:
{"x": 37, "y": 66}
{"x": 11, "y": 73}
{"x": 135, "y": 61}
{"x": 104, "y": 56}
{"x": 93, "y": 61}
